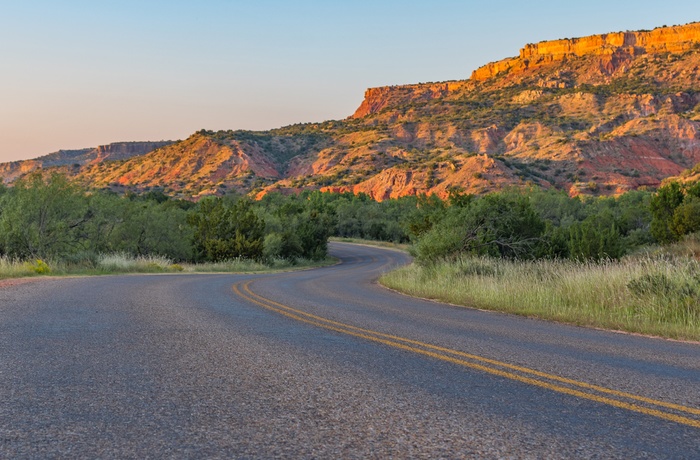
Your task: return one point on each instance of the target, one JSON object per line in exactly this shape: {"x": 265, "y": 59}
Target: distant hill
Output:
{"x": 75, "y": 159}
{"x": 593, "y": 115}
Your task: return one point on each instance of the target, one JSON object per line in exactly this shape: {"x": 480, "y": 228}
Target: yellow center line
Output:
{"x": 243, "y": 290}
{"x": 246, "y": 288}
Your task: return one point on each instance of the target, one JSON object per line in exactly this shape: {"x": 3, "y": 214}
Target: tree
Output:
{"x": 594, "y": 239}
{"x": 500, "y": 224}
{"x": 299, "y": 226}
{"x": 147, "y": 227}
{"x": 43, "y": 217}
{"x": 663, "y": 205}
{"x": 686, "y": 217}
{"x": 429, "y": 211}
{"x": 225, "y": 231}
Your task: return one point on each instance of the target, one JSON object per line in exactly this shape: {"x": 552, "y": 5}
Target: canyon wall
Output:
{"x": 124, "y": 150}
{"x": 613, "y": 48}
{"x": 381, "y": 97}
{"x": 621, "y": 44}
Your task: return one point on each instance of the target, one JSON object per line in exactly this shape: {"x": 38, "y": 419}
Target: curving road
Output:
{"x": 323, "y": 364}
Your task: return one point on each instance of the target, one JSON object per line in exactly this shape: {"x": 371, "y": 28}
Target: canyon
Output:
{"x": 597, "y": 115}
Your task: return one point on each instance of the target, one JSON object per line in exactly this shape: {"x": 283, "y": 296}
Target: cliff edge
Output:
{"x": 612, "y": 50}
{"x": 613, "y": 46}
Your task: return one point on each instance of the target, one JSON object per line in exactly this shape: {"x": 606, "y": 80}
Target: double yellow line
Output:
{"x": 661, "y": 409}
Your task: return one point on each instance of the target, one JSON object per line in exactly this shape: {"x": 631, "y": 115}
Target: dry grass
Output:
{"x": 380, "y": 244}
{"x": 108, "y": 264}
{"x": 656, "y": 293}
{"x": 13, "y": 268}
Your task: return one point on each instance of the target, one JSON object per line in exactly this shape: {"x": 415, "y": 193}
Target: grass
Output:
{"x": 653, "y": 293}
{"x": 381, "y": 244}
{"x": 108, "y": 264}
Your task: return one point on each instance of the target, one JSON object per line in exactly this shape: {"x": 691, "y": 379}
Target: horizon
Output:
{"x": 81, "y": 75}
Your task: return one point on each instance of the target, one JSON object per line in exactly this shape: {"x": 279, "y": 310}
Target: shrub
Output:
{"x": 595, "y": 241}
{"x": 223, "y": 231}
{"x": 686, "y": 217}
{"x": 39, "y": 267}
{"x": 42, "y": 217}
{"x": 500, "y": 224}
{"x": 663, "y": 205}
{"x": 651, "y": 284}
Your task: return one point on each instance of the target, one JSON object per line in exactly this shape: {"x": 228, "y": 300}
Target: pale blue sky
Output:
{"x": 81, "y": 73}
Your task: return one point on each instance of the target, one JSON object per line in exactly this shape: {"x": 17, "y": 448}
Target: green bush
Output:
{"x": 591, "y": 240}
{"x": 675, "y": 209}
{"x": 651, "y": 284}
{"x": 42, "y": 217}
{"x": 225, "y": 231}
{"x": 500, "y": 224}
{"x": 686, "y": 217}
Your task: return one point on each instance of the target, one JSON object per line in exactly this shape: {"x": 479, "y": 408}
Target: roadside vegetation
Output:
{"x": 594, "y": 262}
{"x": 111, "y": 264}
{"x": 380, "y": 244}
{"x": 49, "y": 225}
{"x": 655, "y": 293}
{"x": 629, "y": 263}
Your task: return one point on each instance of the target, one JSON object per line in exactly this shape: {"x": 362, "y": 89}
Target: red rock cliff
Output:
{"x": 615, "y": 45}
{"x": 379, "y": 98}
{"x": 124, "y": 150}
{"x": 614, "y": 48}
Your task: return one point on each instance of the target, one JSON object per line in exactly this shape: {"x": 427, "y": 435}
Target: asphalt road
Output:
{"x": 323, "y": 364}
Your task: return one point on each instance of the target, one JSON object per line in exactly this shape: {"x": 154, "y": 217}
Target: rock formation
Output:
{"x": 379, "y": 98}
{"x": 613, "y": 47}
{"x": 598, "y": 115}
{"x": 11, "y": 171}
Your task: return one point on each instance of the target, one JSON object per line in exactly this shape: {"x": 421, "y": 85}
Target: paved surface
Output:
{"x": 323, "y": 364}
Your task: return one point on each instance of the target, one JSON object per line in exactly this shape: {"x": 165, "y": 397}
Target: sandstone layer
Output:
{"x": 615, "y": 47}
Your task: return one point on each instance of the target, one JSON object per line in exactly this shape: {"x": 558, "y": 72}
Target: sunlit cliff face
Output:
{"x": 597, "y": 115}
{"x": 614, "y": 46}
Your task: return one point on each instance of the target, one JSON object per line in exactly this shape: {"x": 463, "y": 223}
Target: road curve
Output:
{"x": 324, "y": 363}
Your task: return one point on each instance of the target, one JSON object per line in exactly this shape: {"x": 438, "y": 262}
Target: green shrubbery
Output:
{"x": 226, "y": 230}
{"x": 502, "y": 225}
{"x": 50, "y": 218}
{"x": 530, "y": 225}
{"x": 40, "y": 219}
{"x": 676, "y": 211}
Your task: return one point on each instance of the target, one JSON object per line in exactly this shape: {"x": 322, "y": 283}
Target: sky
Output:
{"x": 77, "y": 74}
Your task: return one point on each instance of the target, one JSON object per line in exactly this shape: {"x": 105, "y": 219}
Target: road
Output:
{"x": 324, "y": 363}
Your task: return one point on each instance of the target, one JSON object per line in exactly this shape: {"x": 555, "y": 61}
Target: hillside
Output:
{"x": 206, "y": 163}
{"x": 75, "y": 159}
{"x": 595, "y": 115}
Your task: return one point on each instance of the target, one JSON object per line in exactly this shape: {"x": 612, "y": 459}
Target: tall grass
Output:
{"x": 106, "y": 264}
{"x": 126, "y": 263}
{"x": 653, "y": 293}
{"x": 13, "y": 268}
{"x": 381, "y": 244}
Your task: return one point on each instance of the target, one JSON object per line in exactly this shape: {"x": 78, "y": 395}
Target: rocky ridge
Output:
{"x": 596, "y": 115}
{"x": 613, "y": 49}
{"x": 76, "y": 159}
